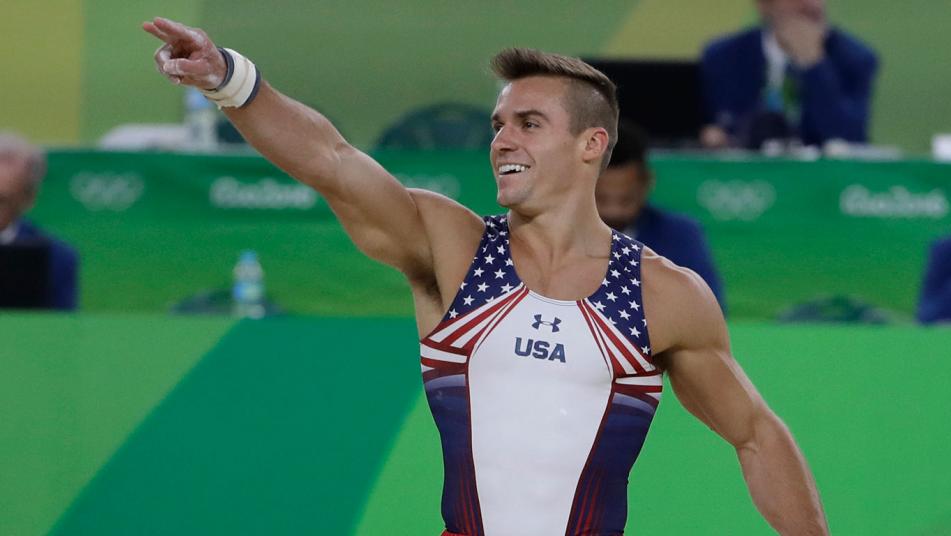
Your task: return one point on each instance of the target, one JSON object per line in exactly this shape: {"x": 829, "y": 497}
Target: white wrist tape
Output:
{"x": 240, "y": 85}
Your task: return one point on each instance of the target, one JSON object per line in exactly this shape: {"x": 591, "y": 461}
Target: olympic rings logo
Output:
{"x": 107, "y": 191}
{"x": 736, "y": 200}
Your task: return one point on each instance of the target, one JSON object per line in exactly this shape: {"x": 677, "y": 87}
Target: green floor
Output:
{"x": 161, "y": 425}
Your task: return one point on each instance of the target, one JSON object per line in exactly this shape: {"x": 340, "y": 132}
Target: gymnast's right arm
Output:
{"x": 383, "y": 218}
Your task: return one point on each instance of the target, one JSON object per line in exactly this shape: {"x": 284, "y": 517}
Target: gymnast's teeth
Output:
{"x": 507, "y": 169}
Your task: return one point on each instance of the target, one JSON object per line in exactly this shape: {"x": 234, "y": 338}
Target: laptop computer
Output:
{"x": 661, "y": 96}
{"x": 25, "y": 276}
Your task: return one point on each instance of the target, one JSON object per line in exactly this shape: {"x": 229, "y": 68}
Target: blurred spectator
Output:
{"x": 22, "y": 168}
{"x": 622, "y": 197}
{"x": 794, "y": 77}
{"x": 935, "y": 302}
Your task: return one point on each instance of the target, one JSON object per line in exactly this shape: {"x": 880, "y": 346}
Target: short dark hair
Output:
{"x": 591, "y": 96}
{"x": 631, "y": 147}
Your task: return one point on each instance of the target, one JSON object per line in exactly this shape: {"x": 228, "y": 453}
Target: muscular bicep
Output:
{"x": 376, "y": 210}
{"x": 378, "y": 213}
{"x": 713, "y": 387}
{"x": 706, "y": 378}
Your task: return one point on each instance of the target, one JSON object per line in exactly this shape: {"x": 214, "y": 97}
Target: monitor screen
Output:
{"x": 661, "y": 96}
{"x": 24, "y": 276}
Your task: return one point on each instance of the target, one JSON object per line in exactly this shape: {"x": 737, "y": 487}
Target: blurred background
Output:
{"x": 211, "y": 374}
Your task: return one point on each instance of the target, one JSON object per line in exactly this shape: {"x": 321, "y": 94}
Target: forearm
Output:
{"x": 293, "y": 136}
{"x": 780, "y": 482}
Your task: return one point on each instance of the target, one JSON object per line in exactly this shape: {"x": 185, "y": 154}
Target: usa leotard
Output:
{"x": 542, "y": 405}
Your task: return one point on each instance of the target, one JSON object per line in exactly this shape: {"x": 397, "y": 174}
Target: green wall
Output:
{"x": 781, "y": 232}
{"x": 41, "y": 65}
{"x": 93, "y": 68}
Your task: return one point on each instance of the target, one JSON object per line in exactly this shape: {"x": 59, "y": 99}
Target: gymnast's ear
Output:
{"x": 595, "y": 144}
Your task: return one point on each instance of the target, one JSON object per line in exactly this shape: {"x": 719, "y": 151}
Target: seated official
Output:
{"x": 793, "y": 77}
{"x": 622, "y": 196}
{"x": 935, "y": 303}
{"x": 22, "y": 168}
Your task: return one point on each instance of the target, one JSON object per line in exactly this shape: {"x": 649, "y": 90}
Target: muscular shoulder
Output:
{"x": 682, "y": 311}
{"x": 447, "y": 221}
{"x": 453, "y": 232}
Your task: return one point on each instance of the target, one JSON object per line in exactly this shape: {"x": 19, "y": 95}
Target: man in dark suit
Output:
{"x": 935, "y": 303}
{"x": 22, "y": 168}
{"x": 794, "y": 77}
{"x": 622, "y": 196}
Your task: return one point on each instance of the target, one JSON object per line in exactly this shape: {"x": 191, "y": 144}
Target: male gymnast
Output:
{"x": 544, "y": 334}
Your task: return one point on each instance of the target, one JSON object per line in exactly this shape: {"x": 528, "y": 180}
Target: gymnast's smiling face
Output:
{"x": 535, "y": 155}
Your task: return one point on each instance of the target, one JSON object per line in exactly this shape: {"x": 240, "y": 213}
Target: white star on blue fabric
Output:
{"x": 621, "y": 284}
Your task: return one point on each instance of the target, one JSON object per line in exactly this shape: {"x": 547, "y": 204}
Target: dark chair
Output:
{"x": 836, "y": 309}
{"x": 449, "y": 125}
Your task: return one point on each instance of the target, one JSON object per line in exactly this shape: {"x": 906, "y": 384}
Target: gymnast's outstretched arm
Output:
{"x": 385, "y": 220}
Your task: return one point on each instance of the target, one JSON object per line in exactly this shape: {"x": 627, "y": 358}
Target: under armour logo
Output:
{"x": 554, "y": 325}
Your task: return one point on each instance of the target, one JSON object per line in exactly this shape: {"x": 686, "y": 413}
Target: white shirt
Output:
{"x": 8, "y": 235}
{"x": 776, "y": 60}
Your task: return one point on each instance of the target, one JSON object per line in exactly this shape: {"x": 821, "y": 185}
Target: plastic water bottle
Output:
{"x": 248, "y": 290}
{"x": 201, "y": 121}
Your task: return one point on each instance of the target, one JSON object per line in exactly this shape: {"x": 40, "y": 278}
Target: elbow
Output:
{"x": 765, "y": 429}
{"x": 320, "y": 169}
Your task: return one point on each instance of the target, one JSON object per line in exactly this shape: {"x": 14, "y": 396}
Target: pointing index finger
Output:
{"x": 175, "y": 30}
{"x": 152, "y": 29}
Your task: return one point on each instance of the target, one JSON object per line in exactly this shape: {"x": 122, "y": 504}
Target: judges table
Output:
{"x": 156, "y": 424}
{"x": 156, "y": 229}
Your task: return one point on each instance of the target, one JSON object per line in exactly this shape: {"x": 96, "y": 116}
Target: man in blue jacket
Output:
{"x": 22, "y": 168}
{"x": 622, "y": 196}
{"x": 935, "y": 303}
{"x": 793, "y": 77}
